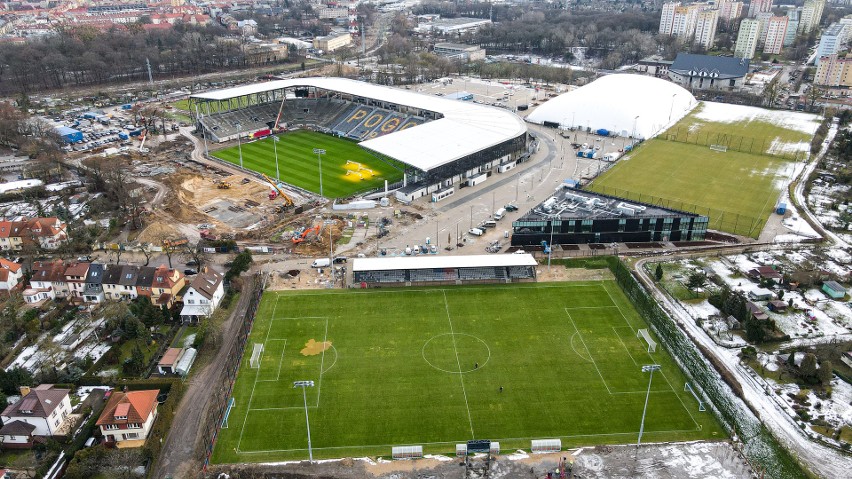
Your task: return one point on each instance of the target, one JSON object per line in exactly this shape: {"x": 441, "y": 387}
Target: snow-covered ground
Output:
{"x": 728, "y": 113}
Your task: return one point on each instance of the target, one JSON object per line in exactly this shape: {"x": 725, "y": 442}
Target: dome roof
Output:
{"x": 621, "y": 103}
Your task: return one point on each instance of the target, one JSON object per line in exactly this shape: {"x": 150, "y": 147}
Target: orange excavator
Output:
{"x": 276, "y": 192}
{"x": 309, "y": 233}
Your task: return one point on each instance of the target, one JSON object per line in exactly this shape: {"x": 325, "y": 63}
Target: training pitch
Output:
{"x": 347, "y": 168}
{"x": 426, "y": 366}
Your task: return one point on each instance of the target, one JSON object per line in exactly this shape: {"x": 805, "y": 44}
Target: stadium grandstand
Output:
{"x": 442, "y": 142}
{"x": 442, "y": 270}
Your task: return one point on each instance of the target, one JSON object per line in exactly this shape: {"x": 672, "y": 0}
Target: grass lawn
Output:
{"x": 425, "y": 366}
{"x": 298, "y": 163}
{"x": 736, "y": 190}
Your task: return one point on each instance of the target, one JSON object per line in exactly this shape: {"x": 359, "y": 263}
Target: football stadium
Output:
{"x": 433, "y": 144}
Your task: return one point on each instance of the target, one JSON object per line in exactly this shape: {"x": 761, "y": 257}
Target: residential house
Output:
{"x": 110, "y": 282}
{"x": 777, "y": 306}
{"x": 847, "y": 358}
{"x": 756, "y": 311}
{"x": 144, "y": 281}
{"x": 40, "y": 413}
{"x": 168, "y": 363}
{"x": 127, "y": 282}
{"x": 94, "y": 292}
{"x": 49, "y": 276}
{"x": 203, "y": 296}
{"x": 166, "y": 286}
{"x": 765, "y": 272}
{"x": 10, "y": 235}
{"x": 833, "y": 289}
{"x": 128, "y": 417}
{"x": 10, "y": 274}
{"x": 49, "y": 233}
{"x": 75, "y": 278}
{"x": 733, "y": 323}
{"x": 761, "y": 294}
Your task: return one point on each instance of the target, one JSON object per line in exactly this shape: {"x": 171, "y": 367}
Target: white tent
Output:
{"x": 622, "y": 104}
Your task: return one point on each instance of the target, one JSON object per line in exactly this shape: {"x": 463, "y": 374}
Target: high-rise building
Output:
{"x": 667, "y": 17}
{"x": 685, "y": 20}
{"x": 705, "y": 27}
{"x": 776, "y": 30}
{"x": 730, "y": 10}
{"x": 759, "y": 6}
{"x": 747, "y": 38}
{"x": 811, "y": 15}
{"x": 831, "y": 41}
{"x": 763, "y": 18}
{"x": 834, "y": 71}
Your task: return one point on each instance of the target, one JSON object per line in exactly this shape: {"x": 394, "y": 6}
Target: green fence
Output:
{"x": 744, "y": 144}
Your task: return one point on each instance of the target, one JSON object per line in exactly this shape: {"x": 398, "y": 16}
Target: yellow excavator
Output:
{"x": 287, "y": 200}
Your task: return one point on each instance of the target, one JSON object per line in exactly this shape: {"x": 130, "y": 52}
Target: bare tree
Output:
{"x": 195, "y": 252}
{"x": 115, "y": 254}
{"x": 147, "y": 251}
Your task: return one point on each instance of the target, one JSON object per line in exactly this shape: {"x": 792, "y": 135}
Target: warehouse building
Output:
{"x": 69, "y": 135}
{"x": 459, "y": 51}
{"x": 442, "y": 270}
{"x": 573, "y": 216}
{"x": 331, "y": 43}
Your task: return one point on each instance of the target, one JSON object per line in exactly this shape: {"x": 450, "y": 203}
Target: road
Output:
{"x": 181, "y": 454}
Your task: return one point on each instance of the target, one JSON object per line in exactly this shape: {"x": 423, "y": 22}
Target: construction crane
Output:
{"x": 287, "y": 200}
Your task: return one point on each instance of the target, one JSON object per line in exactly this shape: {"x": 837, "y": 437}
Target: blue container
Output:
{"x": 781, "y": 208}
{"x": 126, "y": 106}
{"x": 124, "y": 136}
{"x": 603, "y": 132}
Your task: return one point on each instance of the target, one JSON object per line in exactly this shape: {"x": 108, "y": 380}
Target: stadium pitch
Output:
{"x": 436, "y": 367}
{"x": 347, "y": 168}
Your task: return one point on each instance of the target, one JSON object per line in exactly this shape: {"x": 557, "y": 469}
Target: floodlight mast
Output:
{"x": 647, "y": 368}
{"x": 304, "y": 385}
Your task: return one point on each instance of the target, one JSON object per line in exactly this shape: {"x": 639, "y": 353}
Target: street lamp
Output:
{"x": 304, "y": 385}
{"x": 550, "y": 245}
{"x": 319, "y": 152}
{"x": 672, "y": 107}
{"x": 239, "y": 141}
{"x": 275, "y": 147}
{"x": 645, "y": 369}
{"x": 634, "y": 127}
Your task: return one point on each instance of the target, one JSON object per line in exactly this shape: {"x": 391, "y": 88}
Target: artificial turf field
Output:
{"x": 298, "y": 163}
{"x": 425, "y": 367}
{"x": 738, "y": 191}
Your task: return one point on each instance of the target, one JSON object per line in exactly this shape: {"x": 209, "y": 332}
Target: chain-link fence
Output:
{"x": 743, "y": 144}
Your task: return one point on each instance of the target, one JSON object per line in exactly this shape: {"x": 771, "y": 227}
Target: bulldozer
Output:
{"x": 223, "y": 185}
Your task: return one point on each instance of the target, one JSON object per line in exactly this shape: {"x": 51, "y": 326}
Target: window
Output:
{"x": 56, "y": 423}
{"x": 190, "y": 301}
{"x": 134, "y": 425}
{"x": 110, "y": 427}
{"x": 120, "y": 418}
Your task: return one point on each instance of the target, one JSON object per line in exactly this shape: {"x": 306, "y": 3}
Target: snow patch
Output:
{"x": 727, "y": 113}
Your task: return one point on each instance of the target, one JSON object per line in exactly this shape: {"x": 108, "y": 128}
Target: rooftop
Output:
{"x": 574, "y": 204}
{"x": 715, "y": 66}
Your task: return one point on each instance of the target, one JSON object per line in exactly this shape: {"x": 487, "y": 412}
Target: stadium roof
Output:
{"x": 437, "y": 262}
{"x": 619, "y": 103}
{"x": 711, "y": 66}
{"x": 465, "y": 128}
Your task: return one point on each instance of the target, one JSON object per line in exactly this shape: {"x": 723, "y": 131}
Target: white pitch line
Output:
{"x": 322, "y": 361}
{"x": 253, "y": 386}
{"x": 280, "y": 362}
{"x": 461, "y": 376}
{"x": 437, "y": 290}
{"x": 594, "y": 363}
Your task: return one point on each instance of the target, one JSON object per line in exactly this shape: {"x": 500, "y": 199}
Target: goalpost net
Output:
{"x": 719, "y": 148}
{"x": 231, "y": 403}
{"x": 255, "y": 355}
{"x": 652, "y": 345}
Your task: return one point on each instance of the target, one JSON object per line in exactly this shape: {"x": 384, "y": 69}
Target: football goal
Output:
{"x": 256, "y": 353}
{"x": 719, "y": 148}
{"x": 652, "y": 345}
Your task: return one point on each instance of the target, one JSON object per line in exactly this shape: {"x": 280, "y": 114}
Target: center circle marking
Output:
{"x": 423, "y": 353}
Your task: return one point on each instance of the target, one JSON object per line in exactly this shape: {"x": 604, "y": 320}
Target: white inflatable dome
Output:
{"x": 621, "y": 104}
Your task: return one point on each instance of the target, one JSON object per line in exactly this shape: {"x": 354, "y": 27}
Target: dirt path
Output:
{"x": 181, "y": 455}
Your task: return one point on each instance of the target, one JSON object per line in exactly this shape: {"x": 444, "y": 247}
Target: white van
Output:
{"x": 321, "y": 263}
{"x": 499, "y": 214}
{"x": 476, "y": 231}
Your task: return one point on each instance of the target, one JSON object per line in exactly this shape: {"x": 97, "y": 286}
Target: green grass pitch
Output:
{"x": 721, "y": 185}
{"x": 425, "y": 367}
{"x": 299, "y": 167}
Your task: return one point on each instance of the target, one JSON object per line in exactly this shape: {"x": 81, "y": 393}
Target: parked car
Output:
{"x": 190, "y": 272}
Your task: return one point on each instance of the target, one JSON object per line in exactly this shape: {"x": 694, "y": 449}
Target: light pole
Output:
{"x": 304, "y": 385}
{"x": 672, "y": 107}
{"x": 550, "y": 245}
{"x": 239, "y": 141}
{"x": 645, "y": 369}
{"x": 319, "y": 152}
{"x": 275, "y": 147}
{"x": 634, "y": 128}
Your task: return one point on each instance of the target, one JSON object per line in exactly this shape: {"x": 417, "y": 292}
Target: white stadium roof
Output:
{"x": 616, "y": 103}
{"x": 464, "y": 129}
{"x": 438, "y": 261}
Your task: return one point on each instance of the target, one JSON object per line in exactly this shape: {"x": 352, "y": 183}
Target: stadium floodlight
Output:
{"x": 672, "y": 107}
{"x": 275, "y": 147}
{"x": 319, "y": 152}
{"x": 239, "y": 141}
{"x": 304, "y": 385}
{"x": 634, "y": 127}
{"x": 645, "y": 369}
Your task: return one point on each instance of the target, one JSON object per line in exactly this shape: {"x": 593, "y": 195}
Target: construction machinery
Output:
{"x": 307, "y": 234}
{"x": 277, "y": 191}
{"x": 223, "y": 185}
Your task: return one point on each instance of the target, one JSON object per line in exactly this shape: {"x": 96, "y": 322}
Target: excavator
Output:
{"x": 277, "y": 192}
{"x": 309, "y": 233}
